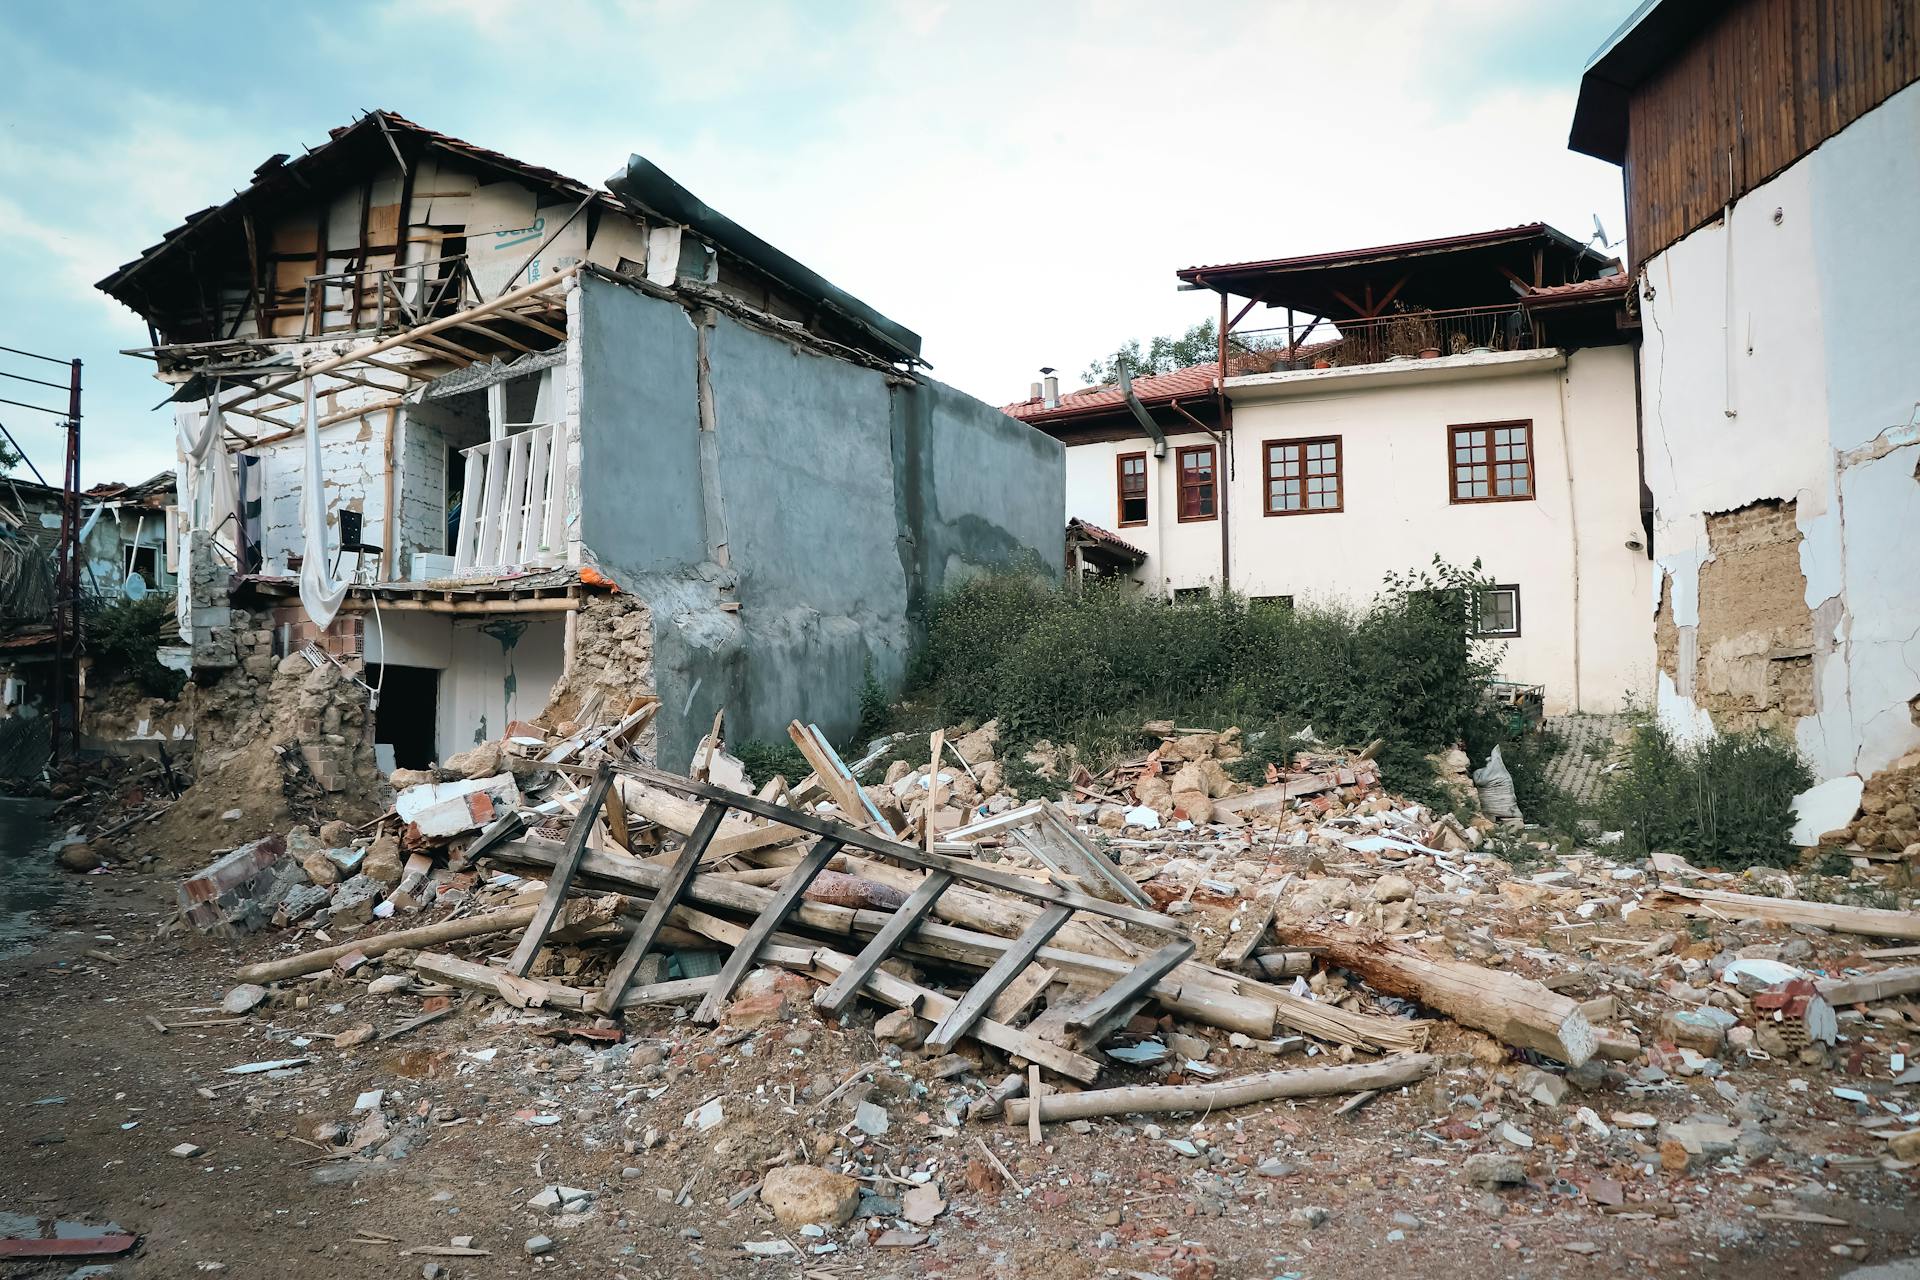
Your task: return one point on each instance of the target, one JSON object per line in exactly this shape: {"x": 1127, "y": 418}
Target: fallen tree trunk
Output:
{"x": 1868, "y": 922}
{"x": 1515, "y": 1010}
{"x": 679, "y": 816}
{"x": 426, "y": 935}
{"x": 1296, "y": 1082}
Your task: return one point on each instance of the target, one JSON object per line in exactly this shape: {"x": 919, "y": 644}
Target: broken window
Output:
{"x": 1493, "y": 462}
{"x": 1196, "y": 482}
{"x": 1132, "y": 481}
{"x": 1496, "y": 611}
{"x": 1303, "y": 476}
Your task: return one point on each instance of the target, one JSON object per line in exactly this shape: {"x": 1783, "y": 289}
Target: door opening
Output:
{"x": 409, "y": 709}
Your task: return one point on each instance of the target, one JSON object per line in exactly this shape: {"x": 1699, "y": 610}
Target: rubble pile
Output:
{"x": 847, "y": 1011}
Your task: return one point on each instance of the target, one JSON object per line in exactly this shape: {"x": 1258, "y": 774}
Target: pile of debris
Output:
{"x": 1160, "y": 938}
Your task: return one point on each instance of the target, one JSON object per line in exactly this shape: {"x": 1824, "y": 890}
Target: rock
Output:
{"x": 389, "y": 984}
{"x": 1495, "y": 1169}
{"x": 1543, "y": 1087}
{"x": 538, "y": 1246}
{"x": 902, "y": 1027}
{"x": 768, "y": 995}
{"x": 800, "y": 1194}
{"x": 336, "y": 834}
{"x": 1702, "y": 1138}
{"x": 401, "y": 779}
{"x": 78, "y": 857}
{"x": 353, "y": 1035}
{"x": 1392, "y": 889}
{"x": 312, "y": 857}
{"x": 870, "y": 1118}
{"x": 1309, "y": 1216}
{"x": 922, "y": 1205}
{"x": 481, "y": 761}
{"x": 1906, "y": 1146}
{"x": 1195, "y": 804}
{"x": 1703, "y": 1030}
{"x": 243, "y": 998}
{"x": 978, "y": 747}
{"x": 383, "y": 861}
{"x": 555, "y": 1200}
{"x": 354, "y": 900}
{"x": 186, "y": 1151}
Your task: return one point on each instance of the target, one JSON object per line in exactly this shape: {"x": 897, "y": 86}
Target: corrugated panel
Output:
{"x": 1756, "y": 91}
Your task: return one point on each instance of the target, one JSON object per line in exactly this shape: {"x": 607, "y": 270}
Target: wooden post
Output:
{"x": 665, "y": 898}
{"x": 562, "y": 878}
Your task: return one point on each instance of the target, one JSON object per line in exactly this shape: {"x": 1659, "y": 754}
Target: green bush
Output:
{"x": 1070, "y": 664}
{"x": 124, "y": 637}
{"x": 1727, "y": 802}
{"x": 762, "y": 760}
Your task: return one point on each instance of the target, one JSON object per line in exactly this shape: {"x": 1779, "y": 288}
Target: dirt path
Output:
{"x": 92, "y": 1099}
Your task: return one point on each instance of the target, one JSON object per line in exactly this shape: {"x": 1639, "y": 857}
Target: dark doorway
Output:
{"x": 409, "y": 708}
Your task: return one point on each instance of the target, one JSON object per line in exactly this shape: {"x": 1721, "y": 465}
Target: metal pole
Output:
{"x": 1222, "y": 464}
{"x": 66, "y": 607}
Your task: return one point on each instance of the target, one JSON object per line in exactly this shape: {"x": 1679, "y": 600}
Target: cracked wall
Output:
{"x": 1782, "y": 425}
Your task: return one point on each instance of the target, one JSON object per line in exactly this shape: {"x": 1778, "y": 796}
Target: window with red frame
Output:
{"x": 1196, "y": 482}
{"x": 1132, "y": 480}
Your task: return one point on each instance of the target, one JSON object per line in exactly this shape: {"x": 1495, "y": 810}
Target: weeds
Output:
{"x": 763, "y": 760}
{"x": 124, "y": 638}
{"x": 1727, "y": 802}
{"x": 1088, "y": 666}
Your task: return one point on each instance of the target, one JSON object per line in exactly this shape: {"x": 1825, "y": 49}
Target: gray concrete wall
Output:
{"x": 837, "y": 499}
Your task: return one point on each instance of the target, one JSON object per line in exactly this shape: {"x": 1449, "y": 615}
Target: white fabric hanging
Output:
{"x": 321, "y": 593}
{"x": 207, "y": 493}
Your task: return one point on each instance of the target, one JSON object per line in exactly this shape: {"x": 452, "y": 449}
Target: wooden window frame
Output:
{"x": 1213, "y": 469}
{"x": 1479, "y": 632}
{"x": 1453, "y": 480}
{"x": 1120, "y": 490}
{"x": 1299, "y": 446}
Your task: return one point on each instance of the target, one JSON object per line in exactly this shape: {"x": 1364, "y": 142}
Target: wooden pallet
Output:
{"x": 1103, "y": 1012}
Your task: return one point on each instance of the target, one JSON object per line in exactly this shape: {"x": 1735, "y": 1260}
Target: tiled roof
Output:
{"x": 1596, "y": 288}
{"x": 1467, "y": 241}
{"x": 1159, "y": 388}
{"x": 1111, "y": 541}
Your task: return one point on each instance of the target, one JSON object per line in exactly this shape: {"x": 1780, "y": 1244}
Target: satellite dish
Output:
{"x": 136, "y": 587}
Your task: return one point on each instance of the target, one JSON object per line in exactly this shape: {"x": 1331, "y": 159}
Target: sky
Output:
{"x": 1016, "y": 182}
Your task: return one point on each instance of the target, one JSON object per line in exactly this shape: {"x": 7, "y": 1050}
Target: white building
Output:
{"x": 1774, "y": 255}
{"x": 1512, "y": 442}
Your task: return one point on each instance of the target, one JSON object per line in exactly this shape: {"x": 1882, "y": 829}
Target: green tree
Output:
{"x": 8, "y": 458}
{"x": 1198, "y": 345}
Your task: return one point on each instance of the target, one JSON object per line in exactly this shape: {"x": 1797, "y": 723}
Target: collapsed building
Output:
{"x": 481, "y": 438}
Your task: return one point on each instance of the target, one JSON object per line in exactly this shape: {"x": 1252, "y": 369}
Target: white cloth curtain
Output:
{"x": 320, "y": 592}
{"x": 208, "y": 493}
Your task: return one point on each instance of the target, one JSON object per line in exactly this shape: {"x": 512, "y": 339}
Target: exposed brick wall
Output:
{"x": 1755, "y": 636}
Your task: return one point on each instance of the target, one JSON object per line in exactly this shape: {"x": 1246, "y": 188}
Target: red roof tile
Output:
{"x": 1159, "y": 388}
{"x": 1112, "y": 541}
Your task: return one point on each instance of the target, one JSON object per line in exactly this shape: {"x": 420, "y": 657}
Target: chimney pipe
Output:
{"x": 1051, "y": 388}
{"x": 1035, "y": 393}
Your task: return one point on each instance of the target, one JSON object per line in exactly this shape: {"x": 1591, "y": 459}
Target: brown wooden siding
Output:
{"x": 1766, "y": 84}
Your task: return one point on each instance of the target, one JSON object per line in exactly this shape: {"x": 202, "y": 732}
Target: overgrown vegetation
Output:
{"x": 1088, "y": 666}
{"x": 1727, "y": 802}
{"x": 762, "y": 760}
{"x": 124, "y": 639}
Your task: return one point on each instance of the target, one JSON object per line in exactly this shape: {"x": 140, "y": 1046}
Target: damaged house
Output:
{"x": 1771, "y": 153}
{"x": 497, "y": 444}
{"x": 1470, "y": 396}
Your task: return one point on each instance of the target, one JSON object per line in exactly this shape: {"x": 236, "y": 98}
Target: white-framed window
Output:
{"x": 1496, "y": 611}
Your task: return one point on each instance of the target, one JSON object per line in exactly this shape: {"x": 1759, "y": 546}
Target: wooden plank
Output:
{"x": 832, "y": 998}
{"x": 1871, "y": 986}
{"x": 665, "y": 898}
{"x": 911, "y": 855}
{"x": 1082, "y": 860}
{"x": 1021, "y": 992}
{"x": 974, "y": 1004}
{"x": 1869, "y": 922}
{"x": 834, "y": 775}
{"x": 1242, "y": 944}
{"x": 562, "y": 878}
{"x": 933, "y": 788}
{"x": 1105, "y": 1013}
{"x": 890, "y": 988}
{"x": 763, "y": 925}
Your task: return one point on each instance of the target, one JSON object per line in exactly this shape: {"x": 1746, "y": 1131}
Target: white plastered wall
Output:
{"x": 1393, "y": 424}
{"x": 492, "y": 670}
{"x": 1779, "y": 363}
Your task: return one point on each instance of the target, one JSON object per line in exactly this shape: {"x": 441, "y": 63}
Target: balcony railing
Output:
{"x": 1397, "y": 335}
{"x": 387, "y": 298}
{"x": 513, "y": 506}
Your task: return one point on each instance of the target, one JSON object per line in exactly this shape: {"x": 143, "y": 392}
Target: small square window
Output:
{"x": 1492, "y": 463}
{"x": 1303, "y": 476}
{"x": 1496, "y": 611}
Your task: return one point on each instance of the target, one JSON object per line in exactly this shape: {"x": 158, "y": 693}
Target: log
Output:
{"x": 681, "y": 816}
{"x": 1294, "y": 1082}
{"x": 1868, "y": 922}
{"x": 1871, "y": 986}
{"x": 1514, "y": 1010}
{"x": 480, "y": 977}
{"x": 426, "y": 935}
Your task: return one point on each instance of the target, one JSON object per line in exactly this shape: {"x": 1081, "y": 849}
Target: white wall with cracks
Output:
{"x": 1779, "y": 362}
